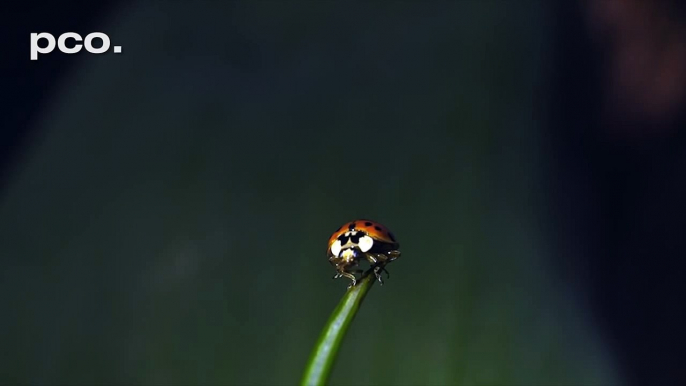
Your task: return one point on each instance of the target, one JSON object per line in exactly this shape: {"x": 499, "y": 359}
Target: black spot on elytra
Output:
{"x": 377, "y": 228}
{"x": 351, "y": 226}
{"x": 367, "y": 224}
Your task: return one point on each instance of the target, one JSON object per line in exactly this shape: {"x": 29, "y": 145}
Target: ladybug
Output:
{"x": 361, "y": 240}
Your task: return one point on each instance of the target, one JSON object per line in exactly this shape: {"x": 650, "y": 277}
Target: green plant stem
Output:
{"x": 325, "y": 350}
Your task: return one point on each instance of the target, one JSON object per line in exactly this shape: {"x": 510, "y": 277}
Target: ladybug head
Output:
{"x": 349, "y": 254}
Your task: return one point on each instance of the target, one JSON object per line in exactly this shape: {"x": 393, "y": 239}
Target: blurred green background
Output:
{"x": 168, "y": 223}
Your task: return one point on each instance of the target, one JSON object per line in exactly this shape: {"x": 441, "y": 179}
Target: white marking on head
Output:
{"x": 365, "y": 243}
{"x": 348, "y": 255}
{"x": 336, "y": 248}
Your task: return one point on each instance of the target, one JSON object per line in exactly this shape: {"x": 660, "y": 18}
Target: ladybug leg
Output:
{"x": 377, "y": 272}
{"x": 378, "y": 262}
{"x": 350, "y": 275}
{"x": 337, "y": 275}
{"x": 383, "y": 269}
{"x": 378, "y": 275}
{"x": 372, "y": 258}
{"x": 392, "y": 255}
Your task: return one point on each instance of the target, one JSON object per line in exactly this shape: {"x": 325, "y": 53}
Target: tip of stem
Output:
{"x": 326, "y": 349}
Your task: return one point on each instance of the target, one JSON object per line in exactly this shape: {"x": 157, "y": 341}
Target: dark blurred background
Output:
{"x": 164, "y": 211}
